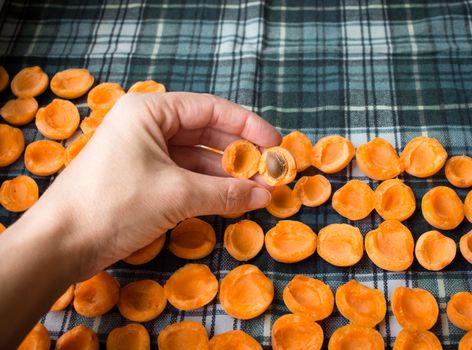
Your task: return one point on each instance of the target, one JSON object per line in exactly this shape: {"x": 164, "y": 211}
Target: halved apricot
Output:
{"x": 19, "y": 194}
{"x": 188, "y": 335}
{"x": 141, "y": 301}
{"x": 390, "y": 246}
{"x": 234, "y": 340}
{"x": 284, "y": 202}
{"x": 20, "y": 111}
{"x": 299, "y": 145}
{"x": 434, "y": 251}
{"x": 277, "y": 166}
{"x": 309, "y": 296}
{"x": 416, "y": 340}
{"x": 378, "y": 159}
{"x": 91, "y": 123}
{"x": 394, "y": 200}
{"x": 246, "y": 292}
{"x": 465, "y": 246}
{"x": 423, "y": 156}
{"x": 466, "y": 342}
{"x": 76, "y": 147}
{"x": 332, "y": 153}
{"x": 241, "y": 159}
{"x": 290, "y": 241}
{"x": 244, "y": 240}
{"x": 468, "y": 206}
{"x": 313, "y": 190}
{"x": 64, "y": 300}
{"x": 132, "y": 336}
{"x": 97, "y": 295}
{"x": 4, "y": 78}
{"x": 414, "y": 308}
{"x": 361, "y": 305}
{"x": 192, "y": 239}
{"x": 12, "y": 144}
{"x": 29, "y": 82}
{"x": 80, "y": 337}
{"x": 296, "y": 332}
{"x": 44, "y": 157}
{"x": 459, "y": 171}
{"x": 58, "y": 120}
{"x": 442, "y": 208}
{"x": 191, "y": 287}
{"x": 147, "y": 86}
{"x": 340, "y": 244}
{"x": 355, "y": 200}
{"x": 37, "y": 339}
{"x": 146, "y": 254}
{"x": 2, "y": 228}
{"x": 459, "y": 310}
{"x": 104, "y": 96}
{"x": 356, "y": 337}
{"x": 72, "y": 83}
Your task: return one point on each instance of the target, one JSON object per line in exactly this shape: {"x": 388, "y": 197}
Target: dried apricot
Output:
{"x": 277, "y": 166}
{"x": 465, "y": 246}
{"x": 290, "y": 241}
{"x": 361, "y": 305}
{"x": 356, "y": 337}
{"x": 72, "y": 83}
{"x": 191, "y": 287}
{"x": 468, "y": 206}
{"x": 64, "y": 300}
{"x": 44, "y": 157}
{"x": 58, "y": 120}
{"x": 97, "y": 295}
{"x": 459, "y": 310}
{"x": 246, "y": 292}
{"x": 434, "y": 251}
{"x": 394, "y": 200}
{"x": 147, "y": 86}
{"x": 340, "y": 244}
{"x": 284, "y": 202}
{"x": 141, "y": 301}
{"x": 466, "y": 342}
{"x": 76, "y": 147}
{"x": 29, "y": 82}
{"x": 390, "y": 246}
{"x": 313, "y": 190}
{"x": 442, "y": 208}
{"x": 296, "y": 332}
{"x": 416, "y": 340}
{"x": 132, "y": 336}
{"x": 104, "y": 96}
{"x": 241, "y": 159}
{"x": 188, "y": 335}
{"x": 459, "y": 171}
{"x": 146, "y": 254}
{"x": 378, "y": 159}
{"x": 355, "y": 200}
{"x": 299, "y": 145}
{"x": 80, "y": 337}
{"x": 37, "y": 339}
{"x": 20, "y": 111}
{"x": 414, "y": 308}
{"x": 12, "y": 144}
{"x": 244, "y": 240}
{"x": 4, "y": 78}
{"x": 423, "y": 156}
{"x": 234, "y": 340}
{"x": 309, "y": 296}
{"x": 332, "y": 154}
{"x": 19, "y": 194}
{"x": 192, "y": 239}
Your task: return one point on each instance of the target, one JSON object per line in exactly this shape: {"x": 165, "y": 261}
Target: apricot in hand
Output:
{"x": 277, "y": 166}
{"x": 241, "y": 159}
{"x": 299, "y": 145}
{"x": 332, "y": 154}
{"x": 378, "y": 159}
{"x": 64, "y": 300}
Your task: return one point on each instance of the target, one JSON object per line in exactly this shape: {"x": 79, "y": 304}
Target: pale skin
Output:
{"x": 138, "y": 177}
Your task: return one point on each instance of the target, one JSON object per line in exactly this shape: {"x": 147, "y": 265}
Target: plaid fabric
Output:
{"x": 357, "y": 68}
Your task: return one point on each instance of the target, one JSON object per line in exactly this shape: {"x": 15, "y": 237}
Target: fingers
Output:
{"x": 198, "y": 160}
{"x": 208, "y": 137}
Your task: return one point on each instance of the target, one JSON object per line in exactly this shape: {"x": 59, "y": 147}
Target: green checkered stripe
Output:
{"x": 361, "y": 69}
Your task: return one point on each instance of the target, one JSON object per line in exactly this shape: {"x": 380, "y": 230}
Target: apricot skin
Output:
{"x": 459, "y": 310}
{"x": 277, "y": 166}
{"x": 37, "y": 339}
{"x": 466, "y": 342}
{"x": 340, "y": 244}
{"x": 439, "y": 213}
{"x": 294, "y": 331}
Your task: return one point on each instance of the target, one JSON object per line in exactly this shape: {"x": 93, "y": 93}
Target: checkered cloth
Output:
{"x": 357, "y": 68}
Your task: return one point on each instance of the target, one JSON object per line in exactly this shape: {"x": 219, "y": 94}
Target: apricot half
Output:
{"x": 132, "y": 336}
{"x": 12, "y": 144}
{"x": 332, "y": 153}
{"x": 277, "y": 166}
{"x": 356, "y": 337}
{"x": 468, "y": 206}
{"x": 76, "y": 147}
{"x": 241, "y": 159}
{"x": 185, "y": 335}
{"x": 146, "y": 254}
{"x": 29, "y": 82}
{"x": 442, "y": 208}
{"x": 290, "y": 241}
{"x": 104, "y": 96}
{"x": 299, "y": 145}
{"x": 394, "y": 200}
{"x": 355, "y": 200}
{"x": 465, "y": 246}
{"x": 416, "y": 340}
{"x": 309, "y": 296}
{"x": 4, "y": 78}
{"x": 296, "y": 332}
{"x": 414, "y": 308}
{"x": 466, "y": 342}
{"x": 360, "y": 304}
{"x": 147, "y": 86}
{"x": 459, "y": 171}
{"x": 459, "y": 310}
{"x": 44, "y": 157}
{"x": 19, "y": 194}
{"x": 80, "y": 337}
{"x": 37, "y": 339}
{"x": 246, "y": 292}
{"x": 284, "y": 202}
{"x": 244, "y": 240}
{"x": 2, "y": 228}
{"x": 434, "y": 251}
{"x": 234, "y": 340}
{"x": 91, "y": 123}
{"x": 64, "y": 300}
{"x": 58, "y": 120}
{"x": 313, "y": 191}
{"x": 192, "y": 239}
{"x": 20, "y": 111}
{"x": 390, "y": 246}
{"x": 340, "y": 244}
{"x": 72, "y": 83}
{"x": 191, "y": 287}
{"x": 378, "y": 159}
{"x": 423, "y": 156}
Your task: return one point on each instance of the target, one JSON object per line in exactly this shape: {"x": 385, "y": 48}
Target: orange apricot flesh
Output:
{"x": 434, "y": 251}
{"x": 72, "y": 83}
{"x": 29, "y": 82}
{"x": 234, "y": 340}
{"x": 104, "y": 96}
{"x": 354, "y": 200}
{"x": 97, "y": 295}
{"x": 244, "y": 240}
{"x": 147, "y": 86}
{"x": 290, "y": 241}
{"x": 245, "y": 292}
{"x": 423, "y": 156}
{"x": 90, "y": 123}
{"x": 2, "y": 228}
{"x": 465, "y": 246}
{"x": 37, "y": 339}
{"x": 466, "y": 342}
{"x": 284, "y": 202}
{"x": 132, "y": 336}
{"x": 309, "y": 296}
{"x": 407, "y": 340}
{"x": 19, "y": 194}
{"x": 442, "y": 208}
{"x": 340, "y": 244}
{"x": 146, "y": 254}
{"x": 390, "y": 246}
{"x": 378, "y": 159}
{"x": 188, "y": 335}
{"x": 20, "y": 111}
{"x": 468, "y": 206}
{"x": 332, "y": 154}
{"x": 44, "y": 157}
{"x": 299, "y": 145}
{"x": 80, "y": 337}
{"x": 296, "y": 332}
{"x": 241, "y": 159}
{"x": 4, "y": 78}
{"x": 356, "y": 337}
{"x": 313, "y": 191}
{"x": 76, "y": 147}
{"x": 360, "y": 304}
{"x": 64, "y": 300}
{"x": 191, "y": 287}
{"x": 459, "y": 171}
{"x": 12, "y": 144}
{"x": 58, "y": 120}
{"x": 459, "y": 310}
{"x": 414, "y": 308}
{"x": 192, "y": 239}
{"x": 277, "y": 166}
{"x": 394, "y": 200}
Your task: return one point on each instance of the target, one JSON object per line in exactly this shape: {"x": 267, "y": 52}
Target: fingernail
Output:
{"x": 260, "y": 197}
